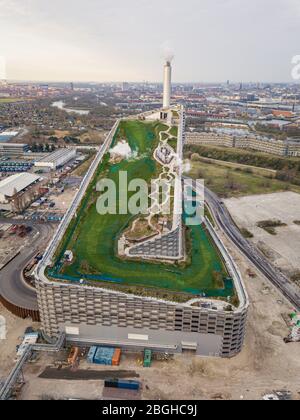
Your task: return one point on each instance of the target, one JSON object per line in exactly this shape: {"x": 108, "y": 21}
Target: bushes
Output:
{"x": 270, "y": 225}
{"x": 289, "y": 175}
{"x": 195, "y": 157}
{"x": 246, "y": 233}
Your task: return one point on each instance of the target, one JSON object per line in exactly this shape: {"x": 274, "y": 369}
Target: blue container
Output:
{"x": 103, "y": 356}
{"x": 91, "y": 354}
{"x": 134, "y": 385}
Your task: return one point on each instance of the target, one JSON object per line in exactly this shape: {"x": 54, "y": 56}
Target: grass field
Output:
{"x": 93, "y": 238}
{"x": 235, "y": 181}
{"x": 10, "y": 100}
{"x": 270, "y": 173}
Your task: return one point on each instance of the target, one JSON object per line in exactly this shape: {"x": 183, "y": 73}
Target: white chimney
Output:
{"x": 167, "y": 85}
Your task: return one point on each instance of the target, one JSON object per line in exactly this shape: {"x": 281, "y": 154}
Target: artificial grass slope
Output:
{"x": 94, "y": 240}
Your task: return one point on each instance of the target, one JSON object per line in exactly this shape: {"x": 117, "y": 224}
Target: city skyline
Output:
{"x": 212, "y": 41}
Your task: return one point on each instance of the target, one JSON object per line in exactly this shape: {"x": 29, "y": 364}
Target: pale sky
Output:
{"x": 123, "y": 40}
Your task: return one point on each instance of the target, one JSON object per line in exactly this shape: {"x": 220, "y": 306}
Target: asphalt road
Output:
{"x": 224, "y": 220}
{"x": 12, "y": 286}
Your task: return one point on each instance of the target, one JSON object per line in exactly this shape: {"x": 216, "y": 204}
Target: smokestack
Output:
{"x": 167, "y": 85}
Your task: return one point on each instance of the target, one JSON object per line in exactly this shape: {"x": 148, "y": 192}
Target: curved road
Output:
{"x": 12, "y": 287}
{"x": 225, "y": 222}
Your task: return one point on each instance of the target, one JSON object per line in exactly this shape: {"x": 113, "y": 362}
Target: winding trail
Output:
{"x": 167, "y": 176}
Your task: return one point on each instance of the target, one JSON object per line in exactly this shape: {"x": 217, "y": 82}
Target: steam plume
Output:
{"x": 167, "y": 51}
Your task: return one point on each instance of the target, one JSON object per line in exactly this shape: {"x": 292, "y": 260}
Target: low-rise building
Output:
{"x": 209, "y": 139}
{"x": 264, "y": 145}
{"x": 56, "y": 159}
{"x": 18, "y": 191}
{"x": 284, "y": 148}
{"x": 13, "y": 149}
{"x": 7, "y": 135}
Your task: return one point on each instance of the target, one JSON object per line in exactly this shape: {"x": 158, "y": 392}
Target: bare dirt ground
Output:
{"x": 15, "y": 328}
{"x": 265, "y": 364}
{"x": 283, "y": 248}
{"x": 93, "y": 136}
{"x": 64, "y": 200}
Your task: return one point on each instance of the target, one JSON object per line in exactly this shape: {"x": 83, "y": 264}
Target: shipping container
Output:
{"x": 91, "y": 354}
{"x": 122, "y": 384}
{"x": 116, "y": 357}
{"x": 104, "y": 355}
{"x": 147, "y": 358}
{"x": 111, "y": 383}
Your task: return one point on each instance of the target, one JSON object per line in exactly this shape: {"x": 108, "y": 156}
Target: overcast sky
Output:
{"x": 123, "y": 40}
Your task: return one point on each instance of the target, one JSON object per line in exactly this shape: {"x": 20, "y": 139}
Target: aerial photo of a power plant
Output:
{"x": 149, "y": 203}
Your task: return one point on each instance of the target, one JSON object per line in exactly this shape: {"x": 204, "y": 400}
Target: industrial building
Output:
{"x": 7, "y": 135}
{"x": 98, "y": 316}
{"x": 56, "y": 159}
{"x": 91, "y": 315}
{"x": 13, "y": 149}
{"x": 18, "y": 191}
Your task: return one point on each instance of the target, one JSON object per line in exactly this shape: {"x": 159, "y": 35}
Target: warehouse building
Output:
{"x": 7, "y": 135}
{"x": 13, "y": 149}
{"x": 56, "y": 159}
{"x": 18, "y": 191}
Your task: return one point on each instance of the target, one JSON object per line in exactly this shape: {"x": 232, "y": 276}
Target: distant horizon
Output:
{"x": 106, "y": 41}
{"x": 293, "y": 82}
